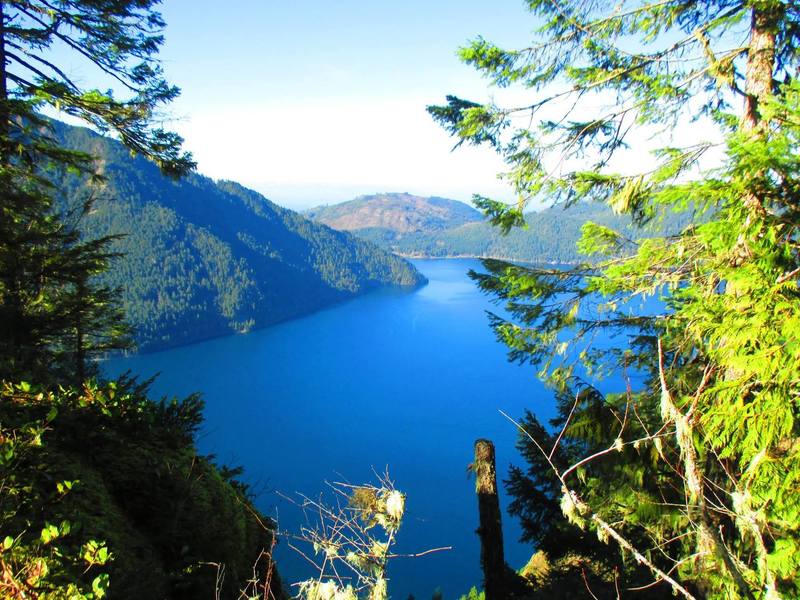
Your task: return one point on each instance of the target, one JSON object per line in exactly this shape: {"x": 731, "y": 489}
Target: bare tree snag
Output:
{"x": 490, "y": 530}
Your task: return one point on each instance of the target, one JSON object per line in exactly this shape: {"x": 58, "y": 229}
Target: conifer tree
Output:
{"x": 53, "y": 314}
{"x": 696, "y": 471}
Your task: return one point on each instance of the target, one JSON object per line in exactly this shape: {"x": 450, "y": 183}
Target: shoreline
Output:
{"x": 482, "y": 257}
{"x": 171, "y": 346}
{"x": 206, "y": 338}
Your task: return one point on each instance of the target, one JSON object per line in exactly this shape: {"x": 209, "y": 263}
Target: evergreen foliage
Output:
{"x": 696, "y": 471}
{"x": 81, "y": 519}
{"x": 55, "y": 314}
{"x": 117, "y": 39}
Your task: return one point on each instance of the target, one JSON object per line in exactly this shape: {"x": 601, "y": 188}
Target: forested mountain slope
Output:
{"x": 203, "y": 258}
{"x": 551, "y": 235}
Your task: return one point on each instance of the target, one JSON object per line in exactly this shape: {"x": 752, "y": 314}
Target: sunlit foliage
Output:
{"x": 699, "y": 465}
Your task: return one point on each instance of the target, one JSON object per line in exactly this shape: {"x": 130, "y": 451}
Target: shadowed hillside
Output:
{"x": 201, "y": 258}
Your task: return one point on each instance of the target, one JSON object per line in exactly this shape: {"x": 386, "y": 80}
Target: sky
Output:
{"x": 313, "y": 102}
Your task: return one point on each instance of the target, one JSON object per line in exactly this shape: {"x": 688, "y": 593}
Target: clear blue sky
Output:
{"x": 314, "y": 102}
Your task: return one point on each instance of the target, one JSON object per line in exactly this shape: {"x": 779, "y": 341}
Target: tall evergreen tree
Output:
{"x": 697, "y": 469}
{"x": 53, "y": 313}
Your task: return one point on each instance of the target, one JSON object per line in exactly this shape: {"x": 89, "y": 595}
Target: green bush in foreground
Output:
{"x": 103, "y": 493}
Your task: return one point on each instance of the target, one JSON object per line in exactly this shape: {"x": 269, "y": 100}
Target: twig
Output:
{"x": 423, "y": 553}
{"x": 564, "y": 428}
{"x": 586, "y": 583}
{"x": 693, "y": 473}
{"x": 605, "y": 527}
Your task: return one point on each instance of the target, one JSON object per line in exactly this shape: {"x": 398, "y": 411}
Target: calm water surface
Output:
{"x": 399, "y": 380}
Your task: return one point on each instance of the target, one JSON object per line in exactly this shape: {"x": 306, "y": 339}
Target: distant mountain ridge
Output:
{"x": 202, "y": 258}
{"x": 450, "y": 228}
{"x": 398, "y": 212}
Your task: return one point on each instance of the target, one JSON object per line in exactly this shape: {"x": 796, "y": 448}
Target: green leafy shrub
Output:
{"x": 106, "y": 463}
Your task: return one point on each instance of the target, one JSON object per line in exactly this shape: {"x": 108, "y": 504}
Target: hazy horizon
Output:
{"x": 318, "y": 103}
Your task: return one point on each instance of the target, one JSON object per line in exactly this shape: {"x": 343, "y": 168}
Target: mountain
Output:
{"x": 437, "y": 228}
{"x": 550, "y": 236}
{"x": 201, "y": 258}
{"x": 401, "y": 213}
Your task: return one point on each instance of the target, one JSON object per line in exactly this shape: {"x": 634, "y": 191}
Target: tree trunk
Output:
{"x": 4, "y": 108}
{"x": 759, "y": 82}
{"x": 760, "y": 62}
{"x": 490, "y": 530}
{"x": 80, "y": 334}
{"x": 759, "y": 79}
{"x": 3, "y": 79}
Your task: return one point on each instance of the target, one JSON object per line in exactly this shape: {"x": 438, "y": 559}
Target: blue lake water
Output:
{"x": 404, "y": 381}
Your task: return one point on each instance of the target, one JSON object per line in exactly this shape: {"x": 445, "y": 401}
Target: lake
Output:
{"x": 397, "y": 380}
